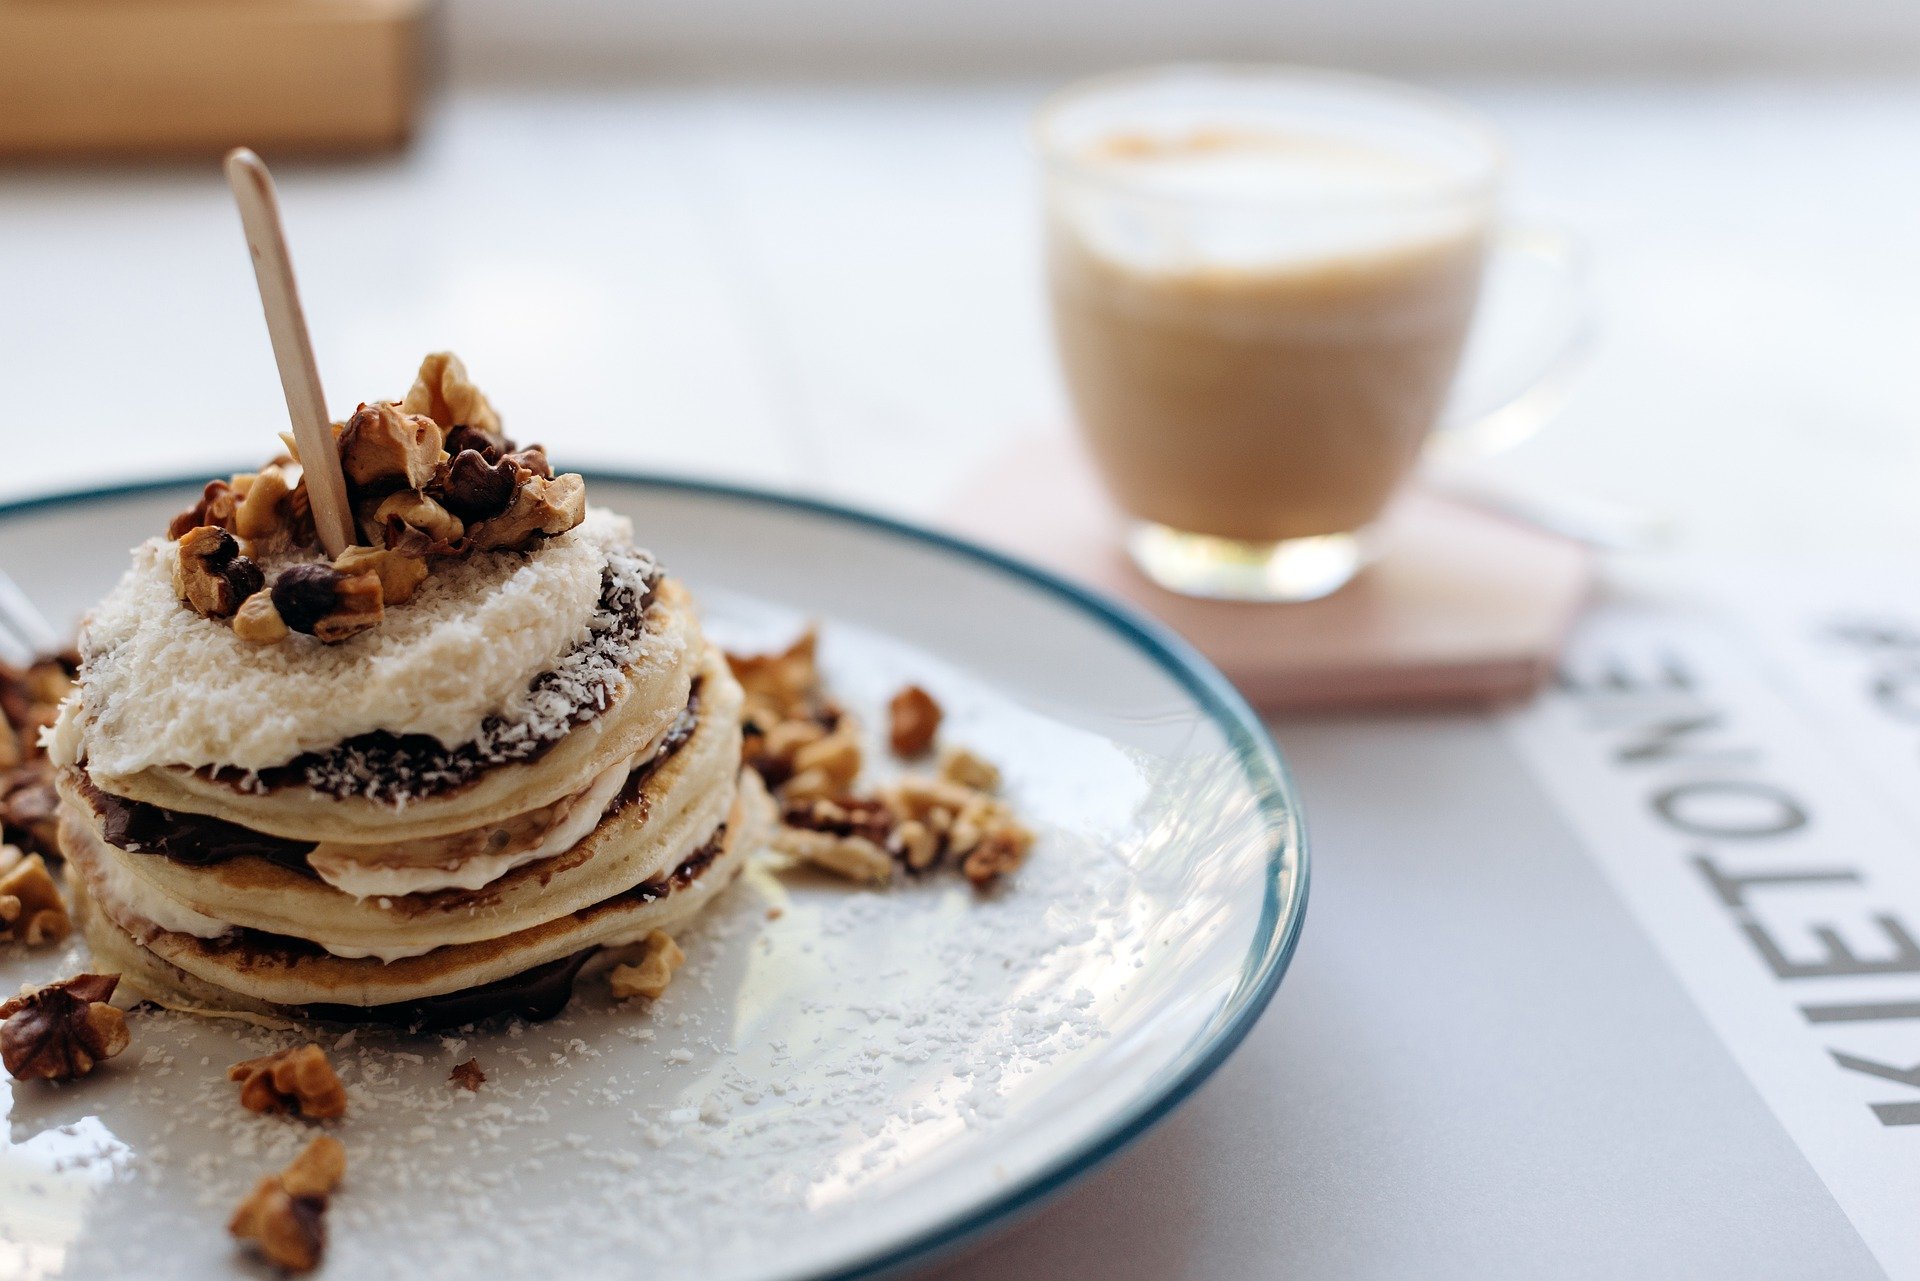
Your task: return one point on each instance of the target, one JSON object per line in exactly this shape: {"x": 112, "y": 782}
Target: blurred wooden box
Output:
{"x": 172, "y": 77}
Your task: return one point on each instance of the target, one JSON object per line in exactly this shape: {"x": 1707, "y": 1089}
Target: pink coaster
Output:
{"x": 1462, "y": 607}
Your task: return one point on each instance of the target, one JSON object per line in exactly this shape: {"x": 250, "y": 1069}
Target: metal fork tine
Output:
{"x": 25, "y": 633}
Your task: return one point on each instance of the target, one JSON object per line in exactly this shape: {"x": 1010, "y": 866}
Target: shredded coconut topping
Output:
{"x": 588, "y": 679}
{"x": 162, "y": 686}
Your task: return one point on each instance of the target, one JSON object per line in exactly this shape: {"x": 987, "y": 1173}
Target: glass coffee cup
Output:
{"x": 1262, "y": 283}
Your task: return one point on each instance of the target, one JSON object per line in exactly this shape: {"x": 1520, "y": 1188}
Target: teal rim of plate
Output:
{"x": 1276, "y": 937}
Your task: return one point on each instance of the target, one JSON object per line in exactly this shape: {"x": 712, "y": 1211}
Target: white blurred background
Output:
{"x": 975, "y": 37}
{"x": 797, "y": 244}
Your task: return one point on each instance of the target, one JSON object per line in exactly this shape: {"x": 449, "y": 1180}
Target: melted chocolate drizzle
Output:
{"x": 194, "y": 839}
{"x": 535, "y": 995}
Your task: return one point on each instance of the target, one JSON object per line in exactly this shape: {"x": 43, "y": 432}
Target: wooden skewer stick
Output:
{"x": 292, "y": 349}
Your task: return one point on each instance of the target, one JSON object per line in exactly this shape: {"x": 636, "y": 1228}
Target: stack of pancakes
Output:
{"x": 532, "y": 764}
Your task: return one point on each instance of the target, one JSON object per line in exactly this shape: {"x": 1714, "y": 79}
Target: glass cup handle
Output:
{"x": 1536, "y": 314}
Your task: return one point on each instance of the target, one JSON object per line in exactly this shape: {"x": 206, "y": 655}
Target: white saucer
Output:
{"x": 864, "y": 1081}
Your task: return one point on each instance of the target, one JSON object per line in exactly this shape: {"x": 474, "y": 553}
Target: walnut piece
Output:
{"x": 31, "y": 909}
{"x": 400, "y": 574}
{"x": 782, "y": 686}
{"x": 29, "y": 806}
{"x": 60, "y": 1031}
{"x": 913, "y": 719}
{"x": 216, "y": 507}
{"x": 846, "y": 835}
{"x": 211, "y": 575}
{"x": 285, "y": 1214}
{"x": 958, "y": 765}
{"x": 269, "y": 509}
{"x": 468, "y": 1075}
{"x": 797, "y": 739}
{"x": 660, "y": 956}
{"x": 915, "y": 844}
{"x": 325, "y": 603}
{"x": 854, "y": 857}
{"x": 413, "y": 523}
{"x": 491, "y": 446}
{"x": 1002, "y": 849}
{"x": 257, "y": 621}
{"x": 318, "y": 1169}
{"x": 30, "y": 699}
{"x": 50, "y": 679}
{"x": 383, "y": 448}
{"x": 825, "y": 766}
{"x": 967, "y": 826}
{"x": 532, "y": 459}
{"x": 443, "y": 392}
{"x": 358, "y": 606}
{"x": 263, "y": 512}
{"x": 297, "y": 1080}
{"x": 476, "y": 488}
{"x": 540, "y": 508}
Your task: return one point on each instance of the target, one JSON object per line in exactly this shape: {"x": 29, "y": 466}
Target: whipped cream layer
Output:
{"x": 163, "y": 686}
{"x": 128, "y": 897}
{"x": 139, "y": 909}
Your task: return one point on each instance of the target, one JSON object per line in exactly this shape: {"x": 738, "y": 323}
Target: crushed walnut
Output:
{"x": 468, "y": 1075}
{"x": 29, "y": 701}
{"x": 660, "y": 956}
{"x": 211, "y": 575}
{"x": 400, "y": 575}
{"x": 62, "y": 1030}
{"x": 285, "y": 1214}
{"x": 786, "y": 714}
{"x": 808, "y": 751}
{"x": 430, "y": 478}
{"x": 443, "y": 392}
{"x": 325, "y": 603}
{"x": 846, "y": 836}
{"x": 952, "y": 820}
{"x": 298, "y": 1080}
{"x": 913, "y": 720}
{"x": 31, "y": 909}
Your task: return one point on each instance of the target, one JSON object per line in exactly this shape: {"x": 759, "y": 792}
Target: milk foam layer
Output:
{"x": 1263, "y": 201}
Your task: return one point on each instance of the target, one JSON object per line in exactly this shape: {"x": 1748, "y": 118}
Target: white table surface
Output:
{"x": 837, "y": 289}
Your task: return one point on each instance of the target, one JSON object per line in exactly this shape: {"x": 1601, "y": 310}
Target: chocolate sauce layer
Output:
{"x": 193, "y": 839}
{"x": 537, "y": 994}
{"x": 633, "y": 791}
{"x": 200, "y": 841}
{"x": 397, "y": 768}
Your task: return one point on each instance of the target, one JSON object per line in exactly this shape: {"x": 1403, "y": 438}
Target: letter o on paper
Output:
{"x": 1729, "y": 809}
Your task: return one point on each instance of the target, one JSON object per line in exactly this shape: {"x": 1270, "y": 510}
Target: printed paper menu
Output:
{"x": 1747, "y": 774}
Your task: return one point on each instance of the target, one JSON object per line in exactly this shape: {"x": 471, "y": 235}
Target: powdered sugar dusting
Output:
{"x": 859, "y": 1062}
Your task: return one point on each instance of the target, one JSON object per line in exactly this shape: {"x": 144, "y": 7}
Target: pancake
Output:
{"x": 655, "y": 689}
{"x": 653, "y": 828}
{"x": 426, "y": 778}
{"x": 270, "y": 975}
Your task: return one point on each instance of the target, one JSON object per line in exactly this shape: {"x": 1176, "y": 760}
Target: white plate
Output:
{"x": 863, "y": 1081}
